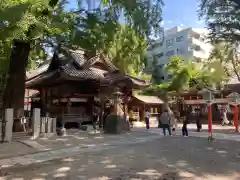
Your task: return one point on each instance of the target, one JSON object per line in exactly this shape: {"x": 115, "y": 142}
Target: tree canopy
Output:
{"x": 227, "y": 55}
{"x": 34, "y": 27}
{"x": 222, "y": 19}
{"x": 186, "y": 75}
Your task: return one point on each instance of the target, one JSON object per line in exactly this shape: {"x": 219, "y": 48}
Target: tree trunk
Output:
{"x": 15, "y": 87}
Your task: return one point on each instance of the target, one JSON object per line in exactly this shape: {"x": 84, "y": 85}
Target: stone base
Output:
{"x": 116, "y": 124}
{"x": 61, "y": 132}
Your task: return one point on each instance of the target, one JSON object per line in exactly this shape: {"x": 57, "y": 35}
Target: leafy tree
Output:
{"x": 127, "y": 51}
{"x": 222, "y": 18}
{"x": 124, "y": 46}
{"x": 228, "y": 56}
{"x": 30, "y": 22}
{"x": 186, "y": 76}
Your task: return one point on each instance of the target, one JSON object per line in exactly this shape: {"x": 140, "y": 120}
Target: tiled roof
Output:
{"x": 78, "y": 57}
{"x": 39, "y": 79}
{"x": 89, "y": 73}
{"x": 149, "y": 99}
{"x": 118, "y": 77}
{"x": 74, "y": 64}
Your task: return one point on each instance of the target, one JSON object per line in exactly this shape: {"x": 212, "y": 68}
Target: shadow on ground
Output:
{"x": 169, "y": 158}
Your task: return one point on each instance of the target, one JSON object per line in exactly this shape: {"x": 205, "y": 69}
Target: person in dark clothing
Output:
{"x": 96, "y": 113}
{"x": 184, "y": 127}
{"x": 198, "y": 122}
{"x": 106, "y": 112}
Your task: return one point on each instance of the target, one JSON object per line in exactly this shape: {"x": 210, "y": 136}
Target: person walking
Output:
{"x": 173, "y": 123}
{"x": 198, "y": 121}
{"x": 147, "y": 119}
{"x": 96, "y": 113}
{"x": 165, "y": 122}
{"x": 224, "y": 118}
{"x": 131, "y": 118}
{"x": 184, "y": 127}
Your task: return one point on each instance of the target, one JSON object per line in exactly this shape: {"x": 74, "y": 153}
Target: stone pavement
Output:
{"x": 92, "y": 144}
{"x": 168, "y": 158}
{"x": 192, "y": 127}
{"x": 15, "y": 148}
{"x": 222, "y": 136}
{"x": 23, "y": 145}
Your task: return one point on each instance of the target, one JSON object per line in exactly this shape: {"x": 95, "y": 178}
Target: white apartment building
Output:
{"x": 188, "y": 43}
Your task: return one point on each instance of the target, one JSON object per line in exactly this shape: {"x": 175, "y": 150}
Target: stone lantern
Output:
{"x": 117, "y": 101}
{"x": 207, "y": 95}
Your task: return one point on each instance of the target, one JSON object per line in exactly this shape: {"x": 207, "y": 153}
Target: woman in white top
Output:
{"x": 224, "y": 118}
{"x": 147, "y": 119}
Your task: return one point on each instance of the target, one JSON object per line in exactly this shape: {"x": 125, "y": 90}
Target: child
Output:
{"x": 184, "y": 127}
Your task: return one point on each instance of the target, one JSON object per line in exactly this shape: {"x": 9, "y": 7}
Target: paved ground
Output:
{"x": 217, "y": 128}
{"x": 14, "y": 149}
{"x": 75, "y": 138}
{"x": 168, "y": 158}
{"x": 83, "y": 138}
{"x": 204, "y": 134}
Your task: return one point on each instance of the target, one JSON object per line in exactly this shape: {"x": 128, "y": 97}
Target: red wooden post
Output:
{"x": 236, "y": 117}
{"x": 210, "y": 119}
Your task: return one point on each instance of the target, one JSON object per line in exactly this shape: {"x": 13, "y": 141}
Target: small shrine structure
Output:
{"x": 72, "y": 82}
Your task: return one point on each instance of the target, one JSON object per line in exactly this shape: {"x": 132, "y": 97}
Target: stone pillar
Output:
{"x": 36, "y": 123}
{"x": 9, "y": 124}
{"x": 43, "y": 125}
{"x": 49, "y": 125}
{"x": 54, "y": 125}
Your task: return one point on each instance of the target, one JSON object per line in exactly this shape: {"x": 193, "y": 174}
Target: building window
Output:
{"x": 159, "y": 55}
{"x": 154, "y": 45}
{"x": 179, "y": 51}
{"x": 179, "y": 39}
{"x": 190, "y": 48}
{"x": 162, "y": 77}
{"x": 169, "y": 42}
{"x": 170, "y": 53}
{"x": 169, "y": 76}
{"x": 197, "y": 48}
{"x": 161, "y": 65}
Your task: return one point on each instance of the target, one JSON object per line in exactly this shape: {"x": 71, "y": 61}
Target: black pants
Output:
{"x": 147, "y": 123}
{"x": 94, "y": 122}
{"x": 166, "y": 126}
{"x": 184, "y": 131}
{"x": 199, "y": 127}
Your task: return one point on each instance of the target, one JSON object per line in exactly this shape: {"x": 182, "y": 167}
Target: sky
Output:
{"x": 181, "y": 13}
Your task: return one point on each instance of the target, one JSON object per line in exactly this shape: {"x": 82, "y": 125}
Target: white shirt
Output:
{"x": 147, "y": 114}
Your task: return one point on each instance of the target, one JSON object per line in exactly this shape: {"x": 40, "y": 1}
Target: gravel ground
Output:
{"x": 168, "y": 158}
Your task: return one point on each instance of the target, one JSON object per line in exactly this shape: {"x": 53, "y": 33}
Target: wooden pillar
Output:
{"x": 102, "y": 102}
{"x": 236, "y": 117}
{"x": 48, "y": 101}
{"x": 144, "y": 111}
{"x": 210, "y": 119}
{"x": 43, "y": 100}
